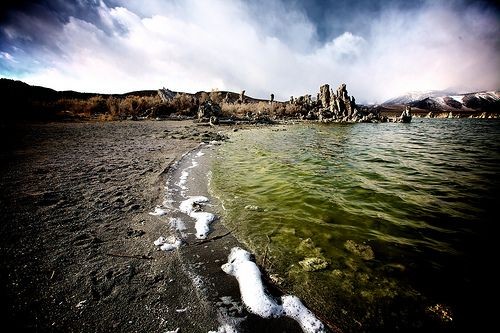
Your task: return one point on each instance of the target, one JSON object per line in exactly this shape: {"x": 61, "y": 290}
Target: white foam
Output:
{"x": 177, "y": 224}
{"x": 185, "y": 173}
{"x": 183, "y": 179}
{"x": 199, "y": 154}
{"x": 171, "y": 246}
{"x": 160, "y": 241}
{"x": 187, "y": 206}
{"x": 203, "y": 219}
{"x": 202, "y": 225}
{"x": 168, "y": 244}
{"x": 256, "y": 299}
{"x": 296, "y": 310}
{"x": 251, "y": 288}
{"x": 158, "y": 211}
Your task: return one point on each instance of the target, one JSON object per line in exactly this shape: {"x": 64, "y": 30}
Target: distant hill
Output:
{"x": 445, "y": 102}
{"x": 416, "y": 96}
{"x": 18, "y": 89}
{"x": 24, "y": 101}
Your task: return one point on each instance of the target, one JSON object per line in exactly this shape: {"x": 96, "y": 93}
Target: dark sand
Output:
{"x": 77, "y": 240}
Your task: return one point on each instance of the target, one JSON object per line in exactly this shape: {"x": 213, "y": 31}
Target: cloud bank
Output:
{"x": 262, "y": 47}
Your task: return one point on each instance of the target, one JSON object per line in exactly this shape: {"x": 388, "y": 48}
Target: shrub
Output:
{"x": 184, "y": 104}
{"x": 96, "y": 105}
{"x": 204, "y": 97}
{"x": 216, "y": 96}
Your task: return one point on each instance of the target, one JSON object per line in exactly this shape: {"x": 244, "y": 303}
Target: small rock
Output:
{"x": 253, "y": 208}
{"x": 276, "y": 279}
{"x": 362, "y": 250}
{"x": 313, "y": 264}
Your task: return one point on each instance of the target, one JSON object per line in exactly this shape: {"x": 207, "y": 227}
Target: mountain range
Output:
{"x": 445, "y": 101}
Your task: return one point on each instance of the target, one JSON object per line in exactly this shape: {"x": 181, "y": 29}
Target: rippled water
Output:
{"x": 401, "y": 215}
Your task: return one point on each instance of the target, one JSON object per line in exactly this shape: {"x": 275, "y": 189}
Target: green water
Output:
{"x": 397, "y": 217}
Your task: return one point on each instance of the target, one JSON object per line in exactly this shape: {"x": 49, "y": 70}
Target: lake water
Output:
{"x": 377, "y": 227}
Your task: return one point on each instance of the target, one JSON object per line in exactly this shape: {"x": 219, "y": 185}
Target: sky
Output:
{"x": 380, "y": 49}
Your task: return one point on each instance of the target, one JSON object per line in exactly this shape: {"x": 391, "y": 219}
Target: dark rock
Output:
{"x": 241, "y": 100}
{"x": 207, "y": 110}
{"x": 406, "y": 115}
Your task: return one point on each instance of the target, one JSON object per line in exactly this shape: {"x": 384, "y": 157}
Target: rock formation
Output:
{"x": 241, "y": 100}
{"x": 207, "y": 110}
{"x": 272, "y": 98}
{"x": 335, "y": 106}
{"x": 324, "y": 95}
{"x": 166, "y": 94}
{"x": 344, "y": 107}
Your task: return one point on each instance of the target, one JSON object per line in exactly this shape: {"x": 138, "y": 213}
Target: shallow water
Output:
{"x": 399, "y": 214}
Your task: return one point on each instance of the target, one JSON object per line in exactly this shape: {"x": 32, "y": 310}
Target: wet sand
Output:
{"x": 77, "y": 237}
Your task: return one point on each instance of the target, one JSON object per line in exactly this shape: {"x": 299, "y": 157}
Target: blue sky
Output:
{"x": 380, "y": 49}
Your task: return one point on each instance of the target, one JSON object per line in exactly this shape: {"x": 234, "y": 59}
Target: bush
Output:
{"x": 204, "y": 97}
{"x": 119, "y": 107}
{"x": 216, "y": 96}
{"x": 184, "y": 104}
{"x": 274, "y": 110}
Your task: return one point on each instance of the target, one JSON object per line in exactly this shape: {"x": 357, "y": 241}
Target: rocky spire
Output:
{"x": 324, "y": 96}
{"x": 242, "y": 97}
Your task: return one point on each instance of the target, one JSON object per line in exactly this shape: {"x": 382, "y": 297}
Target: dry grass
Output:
{"x": 117, "y": 107}
{"x": 274, "y": 110}
{"x": 184, "y": 104}
{"x": 105, "y": 108}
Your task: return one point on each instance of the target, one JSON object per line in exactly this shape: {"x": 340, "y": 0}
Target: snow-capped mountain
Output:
{"x": 417, "y": 96}
{"x": 442, "y": 101}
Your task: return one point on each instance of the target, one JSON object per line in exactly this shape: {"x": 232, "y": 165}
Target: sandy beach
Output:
{"x": 78, "y": 238}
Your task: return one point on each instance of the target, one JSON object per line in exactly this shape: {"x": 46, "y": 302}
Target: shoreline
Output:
{"x": 203, "y": 255}
{"x": 78, "y": 239}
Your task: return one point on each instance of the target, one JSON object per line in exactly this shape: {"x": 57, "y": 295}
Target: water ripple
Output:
{"x": 419, "y": 194}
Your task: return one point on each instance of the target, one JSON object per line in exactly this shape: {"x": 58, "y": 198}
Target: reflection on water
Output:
{"x": 379, "y": 227}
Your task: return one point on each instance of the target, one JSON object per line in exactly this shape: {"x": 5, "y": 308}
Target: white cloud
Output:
{"x": 199, "y": 45}
{"x": 7, "y": 56}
